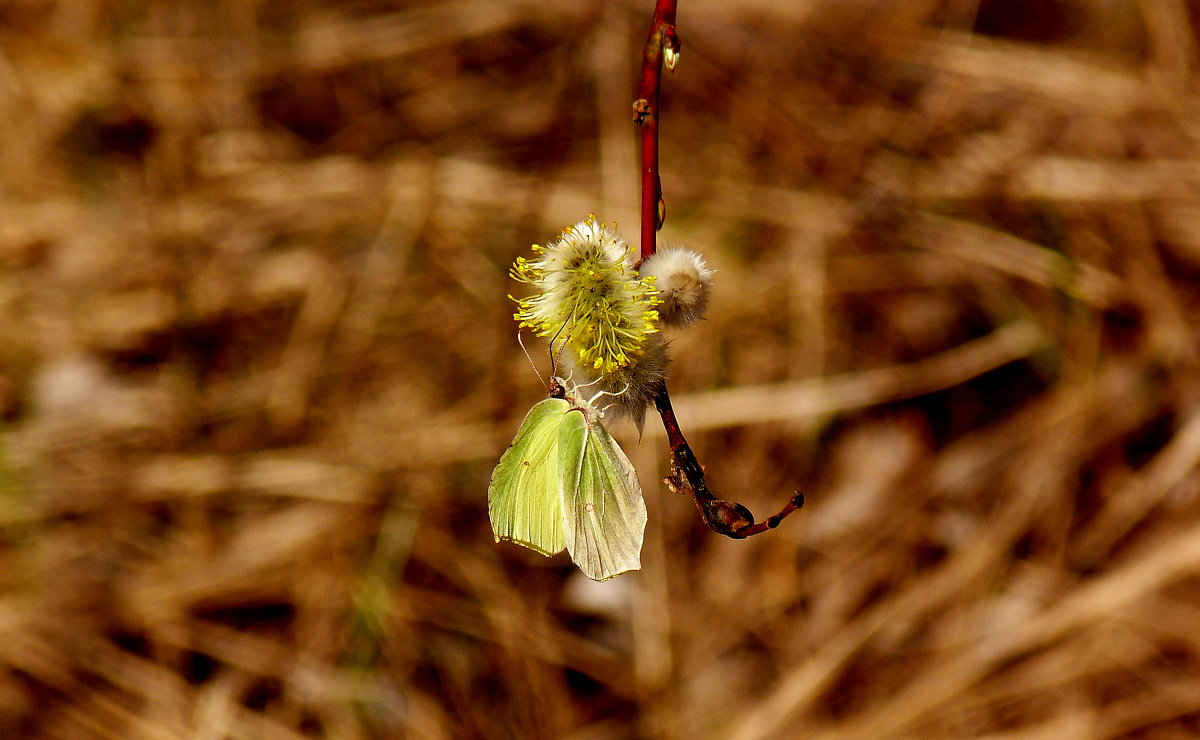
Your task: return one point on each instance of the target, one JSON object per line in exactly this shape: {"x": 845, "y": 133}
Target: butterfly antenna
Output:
{"x": 555, "y": 356}
{"x": 532, "y": 364}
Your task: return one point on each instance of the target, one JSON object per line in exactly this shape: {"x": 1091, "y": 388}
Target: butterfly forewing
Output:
{"x": 603, "y": 512}
{"x": 524, "y": 503}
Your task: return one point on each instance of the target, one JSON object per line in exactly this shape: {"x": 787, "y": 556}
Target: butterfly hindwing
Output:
{"x": 604, "y": 516}
{"x": 524, "y": 503}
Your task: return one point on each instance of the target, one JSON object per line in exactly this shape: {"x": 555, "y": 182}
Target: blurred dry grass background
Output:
{"x": 257, "y": 361}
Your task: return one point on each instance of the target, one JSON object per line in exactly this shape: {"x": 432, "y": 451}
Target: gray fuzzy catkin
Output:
{"x": 683, "y": 280}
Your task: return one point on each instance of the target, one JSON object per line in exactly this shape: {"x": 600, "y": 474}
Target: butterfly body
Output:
{"x": 564, "y": 483}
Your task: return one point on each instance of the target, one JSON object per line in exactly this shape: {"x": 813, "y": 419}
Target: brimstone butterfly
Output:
{"x": 565, "y": 483}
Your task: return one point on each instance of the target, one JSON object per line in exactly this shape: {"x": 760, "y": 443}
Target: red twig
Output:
{"x": 687, "y": 476}
{"x": 645, "y": 116}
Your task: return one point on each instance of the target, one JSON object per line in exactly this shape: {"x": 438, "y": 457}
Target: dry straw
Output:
{"x": 257, "y": 362}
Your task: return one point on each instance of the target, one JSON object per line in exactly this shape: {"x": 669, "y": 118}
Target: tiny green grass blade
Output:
{"x": 603, "y": 512}
{"x": 524, "y": 503}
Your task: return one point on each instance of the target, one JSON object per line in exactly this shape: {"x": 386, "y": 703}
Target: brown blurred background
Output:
{"x": 257, "y": 362}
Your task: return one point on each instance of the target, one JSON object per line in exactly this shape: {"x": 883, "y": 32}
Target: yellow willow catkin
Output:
{"x": 588, "y": 293}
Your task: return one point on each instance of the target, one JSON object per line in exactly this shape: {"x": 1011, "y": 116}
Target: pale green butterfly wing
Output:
{"x": 524, "y": 503}
{"x": 603, "y": 512}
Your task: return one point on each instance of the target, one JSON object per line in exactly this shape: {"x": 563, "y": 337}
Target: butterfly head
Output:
{"x": 557, "y": 387}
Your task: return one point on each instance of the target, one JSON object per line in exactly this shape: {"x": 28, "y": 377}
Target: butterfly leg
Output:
{"x": 601, "y": 393}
